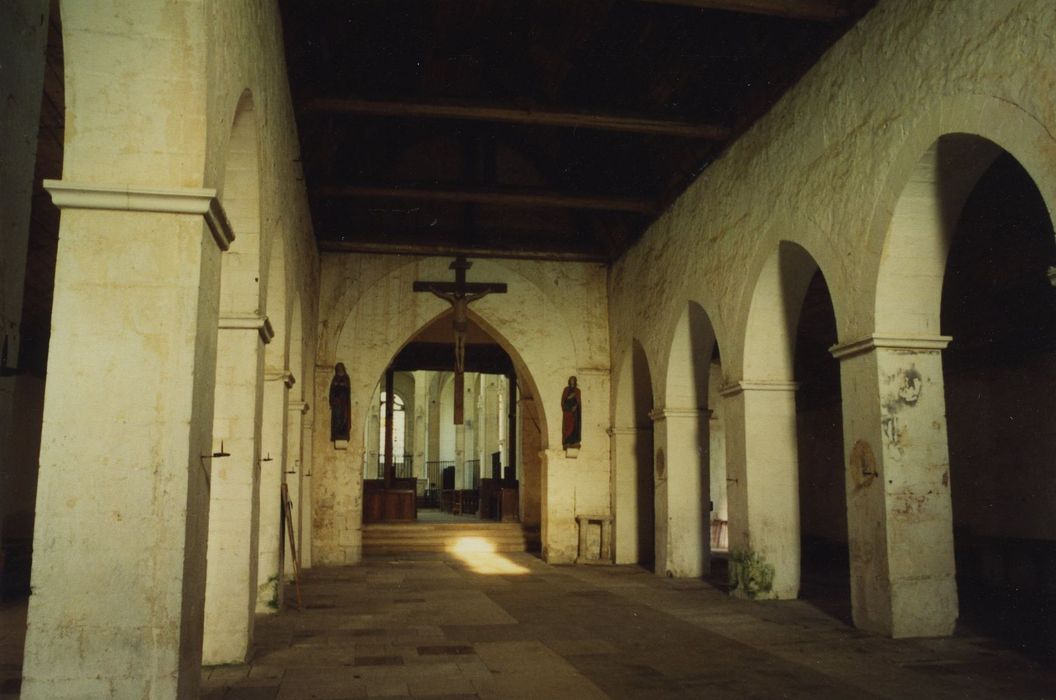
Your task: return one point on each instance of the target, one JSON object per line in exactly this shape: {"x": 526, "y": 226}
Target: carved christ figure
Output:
{"x": 459, "y": 301}
{"x": 460, "y": 295}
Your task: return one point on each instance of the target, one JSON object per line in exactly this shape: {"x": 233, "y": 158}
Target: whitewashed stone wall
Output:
{"x": 825, "y": 169}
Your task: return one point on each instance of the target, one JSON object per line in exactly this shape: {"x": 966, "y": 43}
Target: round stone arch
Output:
{"x": 682, "y": 430}
{"x": 693, "y": 329}
{"x": 951, "y": 145}
{"x": 239, "y": 192}
{"x": 762, "y": 447}
{"x": 775, "y": 299}
{"x": 632, "y": 484}
{"x": 238, "y": 402}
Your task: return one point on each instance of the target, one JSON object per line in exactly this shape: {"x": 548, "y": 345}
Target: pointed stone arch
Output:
{"x": 395, "y": 314}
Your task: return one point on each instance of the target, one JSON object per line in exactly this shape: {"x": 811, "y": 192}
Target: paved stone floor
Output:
{"x": 510, "y": 626}
{"x": 481, "y": 625}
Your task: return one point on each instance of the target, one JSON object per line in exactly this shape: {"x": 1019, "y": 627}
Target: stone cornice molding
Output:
{"x": 595, "y": 371}
{"x": 842, "y": 351}
{"x": 731, "y": 390}
{"x": 297, "y": 407}
{"x": 659, "y": 414}
{"x": 284, "y": 374}
{"x": 249, "y": 322}
{"x": 171, "y": 200}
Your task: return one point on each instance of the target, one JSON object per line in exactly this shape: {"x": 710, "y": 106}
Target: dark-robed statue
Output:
{"x": 340, "y": 404}
{"x": 571, "y": 416}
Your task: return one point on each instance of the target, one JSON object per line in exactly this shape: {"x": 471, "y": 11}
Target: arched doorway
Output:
{"x": 633, "y": 490}
{"x": 825, "y": 561}
{"x": 423, "y": 464}
{"x": 985, "y": 298}
{"x": 793, "y": 445}
{"x": 999, "y": 306}
{"x": 231, "y": 573}
{"x": 684, "y": 484}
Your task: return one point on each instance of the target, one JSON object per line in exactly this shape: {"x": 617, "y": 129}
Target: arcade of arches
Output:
{"x": 828, "y": 370}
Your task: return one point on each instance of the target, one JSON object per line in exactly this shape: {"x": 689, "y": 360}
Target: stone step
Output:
{"x": 397, "y": 538}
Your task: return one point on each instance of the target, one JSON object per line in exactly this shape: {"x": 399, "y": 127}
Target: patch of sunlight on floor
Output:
{"x": 480, "y": 556}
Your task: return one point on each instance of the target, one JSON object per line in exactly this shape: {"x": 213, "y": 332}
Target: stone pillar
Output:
{"x": 762, "y": 488}
{"x": 421, "y": 408}
{"x": 231, "y": 580}
{"x": 627, "y": 487}
{"x": 119, "y": 556}
{"x": 683, "y": 548}
{"x": 560, "y": 537}
{"x": 899, "y": 516}
{"x": 337, "y": 480}
{"x": 292, "y": 475}
{"x": 272, "y": 465}
{"x": 307, "y": 449}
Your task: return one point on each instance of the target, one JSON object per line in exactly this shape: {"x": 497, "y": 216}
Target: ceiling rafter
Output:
{"x": 450, "y": 250}
{"x": 502, "y": 197}
{"x": 516, "y": 115}
{"x": 815, "y": 10}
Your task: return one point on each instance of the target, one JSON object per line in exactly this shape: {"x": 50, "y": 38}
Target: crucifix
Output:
{"x": 459, "y": 295}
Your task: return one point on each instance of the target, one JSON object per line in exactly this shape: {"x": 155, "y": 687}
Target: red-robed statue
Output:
{"x": 572, "y": 416}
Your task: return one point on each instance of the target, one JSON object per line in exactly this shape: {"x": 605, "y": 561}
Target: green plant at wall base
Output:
{"x": 273, "y": 584}
{"x": 750, "y": 573}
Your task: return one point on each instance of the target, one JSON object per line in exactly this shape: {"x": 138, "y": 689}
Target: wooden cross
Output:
{"x": 459, "y": 295}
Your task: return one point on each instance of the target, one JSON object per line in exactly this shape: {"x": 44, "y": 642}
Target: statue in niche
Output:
{"x": 572, "y": 416}
{"x": 340, "y": 404}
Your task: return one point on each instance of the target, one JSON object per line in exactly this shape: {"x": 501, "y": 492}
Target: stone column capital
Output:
{"x": 842, "y": 351}
{"x": 746, "y": 385}
{"x": 165, "y": 200}
{"x": 659, "y": 414}
{"x": 285, "y": 375}
{"x": 255, "y": 322}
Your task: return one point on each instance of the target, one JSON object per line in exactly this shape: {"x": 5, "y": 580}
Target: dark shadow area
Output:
{"x": 19, "y": 457}
{"x": 825, "y": 564}
{"x": 1000, "y": 379}
{"x": 643, "y": 404}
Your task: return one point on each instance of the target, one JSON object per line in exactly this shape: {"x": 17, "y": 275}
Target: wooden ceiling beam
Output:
{"x": 450, "y": 250}
{"x": 517, "y": 115}
{"x": 815, "y": 10}
{"x": 503, "y": 197}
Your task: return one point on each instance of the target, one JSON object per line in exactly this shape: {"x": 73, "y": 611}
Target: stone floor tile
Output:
{"x": 393, "y": 626}
{"x": 441, "y": 686}
{"x": 252, "y": 693}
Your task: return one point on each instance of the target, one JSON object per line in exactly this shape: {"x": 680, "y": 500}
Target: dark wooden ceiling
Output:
{"x": 553, "y": 129}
